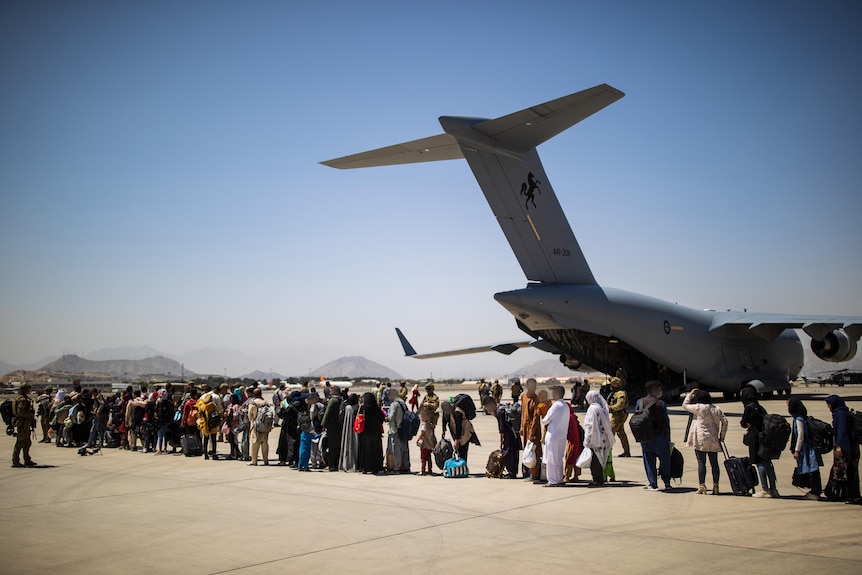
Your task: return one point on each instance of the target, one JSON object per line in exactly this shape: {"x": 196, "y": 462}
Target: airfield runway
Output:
{"x": 139, "y": 513}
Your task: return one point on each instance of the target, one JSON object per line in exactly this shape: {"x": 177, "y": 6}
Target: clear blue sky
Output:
{"x": 160, "y": 185}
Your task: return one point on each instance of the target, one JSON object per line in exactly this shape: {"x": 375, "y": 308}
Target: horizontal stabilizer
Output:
{"x": 518, "y": 132}
{"x": 440, "y": 147}
{"x": 525, "y": 130}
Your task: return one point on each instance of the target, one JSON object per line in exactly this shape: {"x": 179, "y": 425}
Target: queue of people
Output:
{"x": 371, "y": 434}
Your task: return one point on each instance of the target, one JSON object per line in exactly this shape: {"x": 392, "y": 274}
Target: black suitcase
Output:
{"x": 175, "y": 435}
{"x": 191, "y": 445}
{"x": 740, "y": 472}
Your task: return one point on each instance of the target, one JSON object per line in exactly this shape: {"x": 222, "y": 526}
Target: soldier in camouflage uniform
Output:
{"x": 431, "y": 403}
{"x": 24, "y": 421}
{"x": 617, "y": 403}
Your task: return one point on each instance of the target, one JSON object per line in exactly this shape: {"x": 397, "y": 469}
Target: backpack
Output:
{"x": 192, "y": 418}
{"x": 494, "y": 468}
{"x": 316, "y": 414}
{"x": 465, "y": 402}
{"x": 642, "y": 423}
{"x": 303, "y": 423}
{"x": 819, "y": 435}
{"x": 677, "y": 464}
{"x": 409, "y": 425}
{"x": 513, "y": 416}
{"x": 857, "y": 423}
{"x": 137, "y": 415}
{"x": 264, "y": 419}
{"x": 443, "y": 452}
{"x": 150, "y": 411}
{"x": 773, "y": 439}
{"x": 164, "y": 411}
{"x": 6, "y": 412}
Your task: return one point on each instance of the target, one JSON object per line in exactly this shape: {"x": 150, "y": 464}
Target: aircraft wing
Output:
{"x": 770, "y": 325}
{"x": 504, "y": 348}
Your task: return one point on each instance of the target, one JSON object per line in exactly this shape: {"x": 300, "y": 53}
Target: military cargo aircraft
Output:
{"x": 565, "y": 311}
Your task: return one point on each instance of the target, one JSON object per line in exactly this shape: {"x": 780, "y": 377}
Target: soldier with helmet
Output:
{"x": 25, "y": 421}
{"x": 618, "y": 400}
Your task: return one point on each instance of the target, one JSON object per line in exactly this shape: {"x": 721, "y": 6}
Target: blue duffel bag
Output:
{"x": 455, "y": 467}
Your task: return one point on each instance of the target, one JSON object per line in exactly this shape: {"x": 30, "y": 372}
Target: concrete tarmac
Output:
{"x": 131, "y": 512}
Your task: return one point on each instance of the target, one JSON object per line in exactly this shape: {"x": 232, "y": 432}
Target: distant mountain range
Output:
{"x": 546, "y": 368}
{"x": 220, "y": 361}
{"x": 354, "y": 367}
{"x": 120, "y": 368}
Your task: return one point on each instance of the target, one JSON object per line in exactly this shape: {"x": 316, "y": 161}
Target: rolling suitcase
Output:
{"x": 191, "y": 445}
{"x": 740, "y": 472}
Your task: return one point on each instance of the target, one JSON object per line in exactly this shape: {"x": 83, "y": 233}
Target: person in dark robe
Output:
{"x": 370, "y": 456}
{"x": 510, "y": 438}
{"x": 331, "y": 423}
{"x": 286, "y": 435}
{"x": 846, "y": 451}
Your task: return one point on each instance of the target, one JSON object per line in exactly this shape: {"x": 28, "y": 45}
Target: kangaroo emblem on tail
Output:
{"x": 531, "y": 191}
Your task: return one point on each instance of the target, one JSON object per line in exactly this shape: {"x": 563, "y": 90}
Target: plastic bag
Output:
{"x": 529, "y": 457}
{"x": 585, "y": 459}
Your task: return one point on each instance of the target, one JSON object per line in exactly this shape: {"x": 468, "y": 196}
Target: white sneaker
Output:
{"x": 763, "y": 494}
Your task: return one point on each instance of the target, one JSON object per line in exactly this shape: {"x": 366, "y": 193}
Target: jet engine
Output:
{"x": 570, "y": 362}
{"x": 835, "y": 346}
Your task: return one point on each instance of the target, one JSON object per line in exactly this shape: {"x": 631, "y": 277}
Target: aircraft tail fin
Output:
{"x": 502, "y": 154}
{"x": 408, "y": 349}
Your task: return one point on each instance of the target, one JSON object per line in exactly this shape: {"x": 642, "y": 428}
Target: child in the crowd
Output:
{"x": 307, "y": 434}
{"x": 426, "y": 439}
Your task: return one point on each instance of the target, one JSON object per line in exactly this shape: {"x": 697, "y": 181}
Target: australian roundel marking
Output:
{"x": 667, "y": 327}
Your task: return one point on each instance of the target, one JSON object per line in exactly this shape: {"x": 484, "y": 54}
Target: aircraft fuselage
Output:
{"x": 673, "y": 337}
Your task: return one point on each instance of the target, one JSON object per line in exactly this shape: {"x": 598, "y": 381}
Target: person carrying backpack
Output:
{"x": 752, "y": 420}
{"x": 396, "y": 445}
{"x": 261, "y": 419}
{"x": 659, "y": 445}
{"x": 808, "y": 461}
{"x": 455, "y": 419}
{"x": 510, "y": 438}
{"x": 845, "y": 467}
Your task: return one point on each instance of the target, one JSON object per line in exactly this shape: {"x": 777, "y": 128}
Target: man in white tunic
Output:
{"x": 556, "y": 423}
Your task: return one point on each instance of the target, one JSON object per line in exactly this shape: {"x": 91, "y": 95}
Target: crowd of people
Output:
{"x": 332, "y": 429}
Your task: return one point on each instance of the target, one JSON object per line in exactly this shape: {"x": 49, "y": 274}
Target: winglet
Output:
{"x": 408, "y": 349}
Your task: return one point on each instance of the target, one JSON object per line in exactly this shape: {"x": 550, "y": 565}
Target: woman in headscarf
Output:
{"x": 286, "y": 444}
{"x": 846, "y": 453}
{"x": 808, "y": 461}
{"x": 295, "y": 406}
{"x": 709, "y": 426}
{"x": 370, "y": 455}
{"x": 597, "y": 434}
{"x": 752, "y": 420}
{"x": 349, "y": 439}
